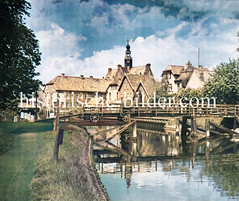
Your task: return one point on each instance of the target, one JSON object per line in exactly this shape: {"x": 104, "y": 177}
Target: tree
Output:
{"x": 161, "y": 90}
{"x": 224, "y": 84}
{"x": 19, "y": 53}
{"x": 189, "y": 94}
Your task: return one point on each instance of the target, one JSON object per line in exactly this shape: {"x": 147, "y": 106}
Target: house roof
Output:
{"x": 175, "y": 69}
{"x": 72, "y": 83}
{"x": 187, "y": 73}
{"x": 120, "y": 71}
{"x": 111, "y": 73}
{"x": 147, "y": 82}
{"x": 137, "y": 70}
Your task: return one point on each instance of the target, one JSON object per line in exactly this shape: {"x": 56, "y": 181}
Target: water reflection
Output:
{"x": 160, "y": 166}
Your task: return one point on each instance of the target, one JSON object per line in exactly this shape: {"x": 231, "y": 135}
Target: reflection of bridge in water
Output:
{"x": 147, "y": 146}
{"x": 126, "y": 154}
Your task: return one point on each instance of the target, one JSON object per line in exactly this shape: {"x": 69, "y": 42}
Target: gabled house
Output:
{"x": 81, "y": 88}
{"x": 132, "y": 86}
{"x": 188, "y": 76}
{"x": 169, "y": 75}
{"x": 116, "y": 75}
{"x": 192, "y": 77}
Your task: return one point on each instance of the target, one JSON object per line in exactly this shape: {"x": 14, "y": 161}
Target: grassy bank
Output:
{"x": 20, "y": 145}
{"x": 9, "y": 129}
{"x": 72, "y": 177}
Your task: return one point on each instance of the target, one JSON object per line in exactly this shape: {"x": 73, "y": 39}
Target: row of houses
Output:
{"x": 124, "y": 80}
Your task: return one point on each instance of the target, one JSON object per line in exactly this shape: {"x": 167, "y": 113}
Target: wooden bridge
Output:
{"x": 95, "y": 113}
{"x": 156, "y": 115}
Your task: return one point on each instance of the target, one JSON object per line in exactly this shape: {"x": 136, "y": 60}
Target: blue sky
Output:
{"x": 87, "y": 37}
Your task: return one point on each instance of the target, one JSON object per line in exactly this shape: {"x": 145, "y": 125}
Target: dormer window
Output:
{"x": 201, "y": 77}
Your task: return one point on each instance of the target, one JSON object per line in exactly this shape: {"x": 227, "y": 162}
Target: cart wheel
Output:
{"x": 94, "y": 117}
{"x": 125, "y": 118}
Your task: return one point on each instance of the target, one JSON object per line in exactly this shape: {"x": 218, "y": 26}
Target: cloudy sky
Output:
{"x": 87, "y": 37}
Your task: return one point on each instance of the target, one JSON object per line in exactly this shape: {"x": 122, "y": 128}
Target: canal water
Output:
{"x": 159, "y": 166}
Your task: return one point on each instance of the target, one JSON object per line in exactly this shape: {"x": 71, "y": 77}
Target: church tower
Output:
{"x": 128, "y": 61}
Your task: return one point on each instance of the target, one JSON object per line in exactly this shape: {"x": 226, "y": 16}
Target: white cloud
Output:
{"x": 60, "y": 52}
{"x": 60, "y": 55}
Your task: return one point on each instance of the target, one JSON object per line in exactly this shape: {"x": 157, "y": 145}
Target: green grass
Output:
{"x": 20, "y": 146}
{"x": 66, "y": 179}
{"x": 9, "y": 129}
{"x": 52, "y": 180}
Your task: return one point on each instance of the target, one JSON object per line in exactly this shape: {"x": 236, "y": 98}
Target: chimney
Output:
{"x": 91, "y": 77}
{"x": 109, "y": 70}
{"x": 200, "y": 67}
{"x": 148, "y": 65}
{"x": 103, "y": 77}
{"x": 62, "y": 74}
{"x": 187, "y": 65}
{"x": 81, "y": 76}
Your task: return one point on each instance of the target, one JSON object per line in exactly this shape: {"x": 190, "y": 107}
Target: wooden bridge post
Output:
{"x": 129, "y": 118}
{"x": 56, "y": 121}
{"x": 58, "y": 141}
{"x": 184, "y": 126}
{"x": 177, "y": 126}
{"x": 83, "y": 111}
{"x": 207, "y": 128}
{"x": 134, "y": 147}
{"x": 135, "y": 130}
{"x": 235, "y": 123}
{"x": 193, "y": 125}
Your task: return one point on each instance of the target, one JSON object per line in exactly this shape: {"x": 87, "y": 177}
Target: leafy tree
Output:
{"x": 19, "y": 53}
{"x": 189, "y": 94}
{"x": 224, "y": 84}
{"x": 161, "y": 90}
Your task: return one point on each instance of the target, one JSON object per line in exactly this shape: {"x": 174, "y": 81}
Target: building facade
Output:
{"x": 141, "y": 87}
{"x": 188, "y": 76}
{"x": 73, "y": 92}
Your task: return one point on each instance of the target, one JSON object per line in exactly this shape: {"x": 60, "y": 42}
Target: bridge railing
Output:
{"x": 187, "y": 110}
{"x": 219, "y": 109}
{"x": 102, "y": 110}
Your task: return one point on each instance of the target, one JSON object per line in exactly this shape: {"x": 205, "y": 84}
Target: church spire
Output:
{"x": 128, "y": 59}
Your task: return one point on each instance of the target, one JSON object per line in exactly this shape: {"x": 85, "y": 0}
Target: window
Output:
{"x": 109, "y": 95}
{"x": 114, "y": 87}
{"x": 201, "y": 77}
{"x": 169, "y": 75}
{"x": 169, "y": 87}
